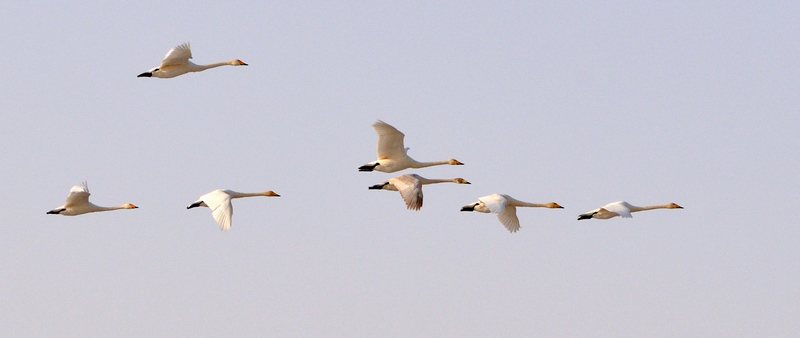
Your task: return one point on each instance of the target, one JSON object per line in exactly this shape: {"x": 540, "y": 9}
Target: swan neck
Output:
{"x": 417, "y": 164}
{"x": 96, "y": 208}
{"x": 198, "y": 68}
{"x": 235, "y": 194}
{"x": 532, "y": 205}
{"x": 649, "y": 207}
{"x": 434, "y": 181}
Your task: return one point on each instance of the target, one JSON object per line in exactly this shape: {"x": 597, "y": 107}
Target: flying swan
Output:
{"x": 392, "y": 154}
{"x": 78, "y": 203}
{"x": 623, "y": 209}
{"x": 176, "y": 62}
{"x": 505, "y": 207}
{"x": 219, "y": 201}
{"x": 410, "y": 187}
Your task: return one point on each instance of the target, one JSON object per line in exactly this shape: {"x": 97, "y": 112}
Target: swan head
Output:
{"x": 453, "y": 161}
{"x": 130, "y": 206}
{"x": 461, "y": 181}
{"x": 238, "y": 62}
{"x": 553, "y": 205}
{"x": 271, "y": 194}
{"x": 674, "y": 206}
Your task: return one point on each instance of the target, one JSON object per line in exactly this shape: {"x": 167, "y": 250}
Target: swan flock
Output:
{"x": 392, "y": 156}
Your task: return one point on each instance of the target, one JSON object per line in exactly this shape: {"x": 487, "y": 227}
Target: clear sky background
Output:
{"x": 580, "y": 103}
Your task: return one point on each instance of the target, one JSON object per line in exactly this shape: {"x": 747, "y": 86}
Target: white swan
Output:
{"x": 392, "y": 154}
{"x": 176, "y": 62}
{"x": 410, "y": 188}
{"x": 78, "y": 203}
{"x": 622, "y": 209}
{"x": 219, "y": 201}
{"x": 505, "y": 207}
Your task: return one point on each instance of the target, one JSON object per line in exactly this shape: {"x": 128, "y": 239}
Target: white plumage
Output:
{"x": 219, "y": 201}
{"x": 176, "y": 63}
{"x": 505, "y": 207}
{"x": 410, "y": 187}
{"x": 392, "y": 154}
{"x": 77, "y": 203}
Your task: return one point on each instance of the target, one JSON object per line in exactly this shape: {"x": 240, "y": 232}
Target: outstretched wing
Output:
{"x": 410, "y": 189}
{"x": 78, "y": 195}
{"x": 221, "y": 208}
{"x": 390, "y": 141}
{"x": 178, "y": 55}
{"x": 509, "y": 218}
{"x": 495, "y": 203}
{"x": 507, "y": 214}
{"x": 618, "y": 208}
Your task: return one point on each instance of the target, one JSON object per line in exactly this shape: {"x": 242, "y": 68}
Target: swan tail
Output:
{"x": 368, "y": 167}
{"x": 378, "y": 186}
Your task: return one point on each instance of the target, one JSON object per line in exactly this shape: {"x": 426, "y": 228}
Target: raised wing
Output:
{"x": 78, "y": 195}
{"x": 410, "y": 189}
{"x": 178, "y": 55}
{"x": 618, "y": 208}
{"x": 390, "y": 141}
{"x": 221, "y": 208}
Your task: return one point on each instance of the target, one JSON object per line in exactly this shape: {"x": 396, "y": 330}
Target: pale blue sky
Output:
{"x": 580, "y": 104}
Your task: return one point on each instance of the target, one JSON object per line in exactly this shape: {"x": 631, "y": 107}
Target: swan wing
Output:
{"x": 221, "y": 208}
{"x": 178, "y": 55}
{"x": 410, "y": 189}
{"x": 509, "y": 218}
{"x": 390, "y": 141}
{"x": 496, "y": 203}
{"x": 618, "y": 208}
{"x": 78, "y": 195}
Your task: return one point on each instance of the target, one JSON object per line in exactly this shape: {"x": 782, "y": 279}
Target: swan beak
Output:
{"x": 377, "y": 186}
{"x": 459, "y": 163}
{"x": 558, "y": 206}
{"x": 134, "y": 207}
{"x": 465, "y": 182}
{"x": 145, "y": 74}
{"x": 470, "y": 207}
{"x": 241, "y": 63}
{"x": 678, "y": 206}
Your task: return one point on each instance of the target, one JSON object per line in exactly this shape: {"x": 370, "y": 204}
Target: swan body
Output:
{"x": 77, "y": 203}
{"x": 410, "y": 188}
{"x": 219, "y": 201}
{"x": 505, "y": 207}
{"x": 176, "y": 62}
{"x": 622, "y": 209}
{"x": 392, "y": 154}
